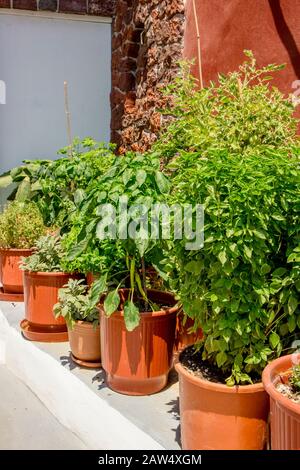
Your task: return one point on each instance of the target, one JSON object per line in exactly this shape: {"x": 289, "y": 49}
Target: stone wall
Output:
{"x": 146, "y": 46}
{"x": 83, "y": 7}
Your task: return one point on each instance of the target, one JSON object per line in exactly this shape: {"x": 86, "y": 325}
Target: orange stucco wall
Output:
{"x": 270, "y": 28}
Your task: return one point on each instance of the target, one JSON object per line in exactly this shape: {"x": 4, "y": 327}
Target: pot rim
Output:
{"x": 16, "y": 250}
{"x": 216, "y": 387}
{"x": 269, "y": 376}
{"x": 47, "y": 273}
{"x": 168, "y": 311}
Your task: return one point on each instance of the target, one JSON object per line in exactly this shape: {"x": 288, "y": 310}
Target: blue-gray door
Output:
{"x": 37, "y": 54}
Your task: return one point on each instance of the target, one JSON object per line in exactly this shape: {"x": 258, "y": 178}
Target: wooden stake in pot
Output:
{"x": 68, "y": 117}
{"x": 198, "y": 45}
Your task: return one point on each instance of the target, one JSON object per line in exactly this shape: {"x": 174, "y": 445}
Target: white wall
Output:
{"x": 36, "y": 55}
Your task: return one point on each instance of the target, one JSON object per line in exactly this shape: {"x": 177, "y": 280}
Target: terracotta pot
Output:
{"x": 84, "y": 341}
{"x": 91, "y": 277}
{"x": 216, "y": 417}
{"x": 285, "y": 414}
{"x": 184, "y": 337}
{"x": 138, "y": 362}
{"x": 40, "y": 295}
{"x": 11, "y": 274}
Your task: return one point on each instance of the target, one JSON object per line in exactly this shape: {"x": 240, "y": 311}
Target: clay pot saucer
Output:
{"x": 89, "y": 364}
{"x": 10, "y": 297}
{"x": 46, "y": 336}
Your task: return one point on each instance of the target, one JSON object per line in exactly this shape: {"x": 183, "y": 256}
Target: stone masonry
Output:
{"x": 83, "y": 7}
{"x": 147, "y": 44}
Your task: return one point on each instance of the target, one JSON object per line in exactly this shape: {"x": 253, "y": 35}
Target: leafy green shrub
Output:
{"x": 77, "y": 303}
{"x": 239, "y": 113}
{"x": 20, "y": 225}
{"x": 59, "y": 186}
{"x": 47, "y": 256}
{"x": 124, "y": 261}
{"x": 235, "y": 287}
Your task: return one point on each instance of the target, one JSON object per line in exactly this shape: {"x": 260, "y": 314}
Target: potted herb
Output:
{"x": 58, "y": 186}
{"x": 21, "y": 224}
{"x": 78, "y": 306}
{"x": 231, "y": 286}
{"x": 137, "y": 323}
{"x": 281, "y": 379}
{"x": 43, "y": 278}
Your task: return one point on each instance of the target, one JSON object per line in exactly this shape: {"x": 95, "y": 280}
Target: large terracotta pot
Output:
{"x": 285, "y": 414}
{"x": 217, "y": 417}
{"x": 138, "y": 362}
{"x": 84, "y": 341}
{"x": 11, "y": 276}
{"x": 40, "y": 295}
{"x": 184, "y": 337}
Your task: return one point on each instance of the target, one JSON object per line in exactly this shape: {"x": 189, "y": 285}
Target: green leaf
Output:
{"x": 23, "y": 192}
{"x": 77, "y": 249}
{"x": 79, "y": 196}
{"x": 222, "y": 257}
{"x": 248, "y": 251}
{"x": 194, "y": 267}
{"x": 111, "y": 302}
{"x": 291, "y": 324}
{"x": 274, "y": 339}
{"x": 97, "y": 289}
{"x": 279, "y": 272}
{"x": 162, "y": 182}
{"x": 265, "y": 269}
{"x": 141, "y": 176}
{"x": 292, "y": 304}
{"x": 131, "y": 315}
{"x": 221, "y": 358}
{"x": 259, "y": 234}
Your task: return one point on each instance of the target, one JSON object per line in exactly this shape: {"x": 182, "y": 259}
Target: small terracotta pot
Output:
{"x": 285, "y": 414}
{"x": 184, "y": 337}
{"x": 217, "y": 417}
{"x": 91, "y": 277}
{"x": 84, "y": 341}
{"x": 138, "y": 362}
{"x": 11, "y": 274}
{"x": 40, "y": 295}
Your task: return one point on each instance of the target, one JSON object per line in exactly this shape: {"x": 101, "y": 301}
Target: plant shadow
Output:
{"x": 174, "y": 410}
{"x": 100, "y": 378}
{"x": 68, "y": 361}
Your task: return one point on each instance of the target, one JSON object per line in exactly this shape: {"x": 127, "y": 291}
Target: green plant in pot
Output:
{"x": 77, "y": 304}
{"x": 58, "y": 186}
{"x": 43, "y": 277}
{"x": 134, "y": 317}
{"x": 249, "y": 188}
{"x": 281, "y": 379}
{"x": 21, "y": 224}
{"x": 240, "y": 112}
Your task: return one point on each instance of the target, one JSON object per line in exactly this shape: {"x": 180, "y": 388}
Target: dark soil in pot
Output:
{"x": 192, "y": 360}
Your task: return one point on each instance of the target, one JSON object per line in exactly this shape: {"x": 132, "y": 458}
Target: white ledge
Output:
{"x": 74, "y": 405}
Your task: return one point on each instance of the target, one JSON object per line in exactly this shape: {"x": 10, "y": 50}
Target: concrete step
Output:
{"x": 80, "y": 399}
{"x": 25, "y": 423}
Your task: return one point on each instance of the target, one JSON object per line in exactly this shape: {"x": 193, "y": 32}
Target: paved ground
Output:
{"x": 25, "y": 423}
{"x": 157, "y": 415}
